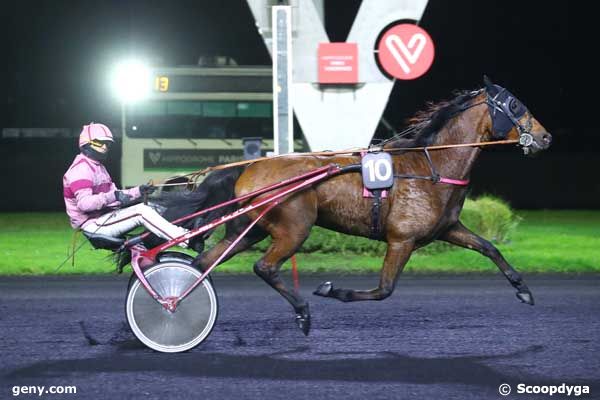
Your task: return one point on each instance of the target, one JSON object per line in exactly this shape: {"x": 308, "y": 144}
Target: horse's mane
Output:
{"x": 425, "y": 125}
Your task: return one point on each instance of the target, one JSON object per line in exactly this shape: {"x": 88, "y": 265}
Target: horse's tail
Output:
{"x": 218, "y": 187}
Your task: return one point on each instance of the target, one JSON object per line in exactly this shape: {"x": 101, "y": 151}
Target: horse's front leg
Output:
{"x": 396, "y": 257}
{"x": 459, "y": 235}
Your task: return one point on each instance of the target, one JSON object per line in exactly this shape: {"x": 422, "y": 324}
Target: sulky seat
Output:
{"x": 104, "y": 241}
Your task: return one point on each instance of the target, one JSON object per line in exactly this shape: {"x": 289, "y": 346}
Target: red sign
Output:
{"x": 405, "y": 51}
{"x": 338, "y": 63}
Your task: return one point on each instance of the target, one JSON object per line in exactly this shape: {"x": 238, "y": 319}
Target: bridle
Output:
{"x": 505, "y": 105}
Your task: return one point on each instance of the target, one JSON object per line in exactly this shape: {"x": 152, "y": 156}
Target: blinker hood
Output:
{"x": 505, "y": 109}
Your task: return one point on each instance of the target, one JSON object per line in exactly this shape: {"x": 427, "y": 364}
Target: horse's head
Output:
{"x": 512, "y": 120}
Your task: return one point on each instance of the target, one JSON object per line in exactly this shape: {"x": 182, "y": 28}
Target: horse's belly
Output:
{"x": 342, "y": 208}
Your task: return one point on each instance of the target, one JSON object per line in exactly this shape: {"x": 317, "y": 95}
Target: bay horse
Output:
{"x": 416, "y": 212}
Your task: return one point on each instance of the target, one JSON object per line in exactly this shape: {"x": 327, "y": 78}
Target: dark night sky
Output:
{"x": 57, "y": 54}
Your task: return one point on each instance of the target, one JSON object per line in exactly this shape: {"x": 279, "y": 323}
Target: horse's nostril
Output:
{"x": 547, "y": 138}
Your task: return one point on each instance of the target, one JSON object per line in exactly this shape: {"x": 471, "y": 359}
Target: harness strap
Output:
{"x": 440, "y": 179}
{"x": 435, "y": 177}
{"x": 375, "y": 214}
{"x": 457, "y": 182}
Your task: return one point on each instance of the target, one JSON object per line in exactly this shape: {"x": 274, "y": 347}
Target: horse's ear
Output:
{"x": 487, "y": 82}
{"x": 489, "y": 86}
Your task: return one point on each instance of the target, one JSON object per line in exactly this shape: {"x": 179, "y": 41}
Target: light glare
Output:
{"x": 131, "y": 81}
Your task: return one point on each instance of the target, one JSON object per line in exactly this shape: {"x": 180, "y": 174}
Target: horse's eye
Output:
{"x": 513, "y": 105}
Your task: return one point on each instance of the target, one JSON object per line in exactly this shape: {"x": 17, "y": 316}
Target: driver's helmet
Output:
{"x": 95, "y": 140}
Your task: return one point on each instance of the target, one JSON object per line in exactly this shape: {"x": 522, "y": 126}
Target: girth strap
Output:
{"x": 376, "y": 214}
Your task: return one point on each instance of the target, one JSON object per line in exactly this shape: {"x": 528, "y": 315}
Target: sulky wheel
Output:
{"x": 165, "y": 331}
{"x": 175, "y": 256}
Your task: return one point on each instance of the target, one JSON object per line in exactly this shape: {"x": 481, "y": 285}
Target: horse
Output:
{"x": 419, "y": 209}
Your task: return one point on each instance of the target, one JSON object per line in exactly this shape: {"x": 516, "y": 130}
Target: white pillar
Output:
{"x": 283, "y": 117}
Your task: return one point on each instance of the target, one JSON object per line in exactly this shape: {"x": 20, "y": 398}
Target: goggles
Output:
{"x": 101, "y": 146}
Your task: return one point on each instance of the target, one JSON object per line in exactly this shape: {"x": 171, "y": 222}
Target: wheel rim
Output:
{"x": 181, "y": 330}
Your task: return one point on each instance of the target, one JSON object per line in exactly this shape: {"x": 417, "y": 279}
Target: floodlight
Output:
{"x": 131, "y": 81}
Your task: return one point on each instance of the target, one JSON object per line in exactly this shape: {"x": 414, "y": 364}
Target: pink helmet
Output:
{"x": 93, "y": 132}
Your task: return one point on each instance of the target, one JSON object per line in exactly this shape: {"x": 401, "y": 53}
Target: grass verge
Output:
{"x": 545, "y": 242}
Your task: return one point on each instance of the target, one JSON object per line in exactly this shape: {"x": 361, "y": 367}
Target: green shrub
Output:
{"x": 327, "y": 241}
{"x": 490, "y": 217}
{"x": 487, "y": 216}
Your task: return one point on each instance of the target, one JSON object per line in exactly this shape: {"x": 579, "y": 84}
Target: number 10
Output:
{"x": 375, "y": 168}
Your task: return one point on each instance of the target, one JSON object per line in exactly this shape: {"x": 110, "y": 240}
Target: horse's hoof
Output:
{"x": 324, "y": 289}
{"x": 525, "y": 296}
{"x": 303, "y": 322}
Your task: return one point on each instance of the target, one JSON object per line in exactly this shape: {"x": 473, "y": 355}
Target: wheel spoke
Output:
{"x": 181, "y": 330}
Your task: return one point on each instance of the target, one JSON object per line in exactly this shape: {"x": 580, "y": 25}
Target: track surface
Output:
{"x": 435, "y": 338}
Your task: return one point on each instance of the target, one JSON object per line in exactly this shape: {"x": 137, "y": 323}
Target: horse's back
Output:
{"x": 271, "y": 171}
{"x": 337, "y": 201}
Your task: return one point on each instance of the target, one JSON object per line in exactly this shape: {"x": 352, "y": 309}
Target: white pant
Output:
{"x": 119, "y": 222}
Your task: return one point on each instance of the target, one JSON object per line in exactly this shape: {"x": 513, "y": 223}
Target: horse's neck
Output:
{"x": 468, "y": 127}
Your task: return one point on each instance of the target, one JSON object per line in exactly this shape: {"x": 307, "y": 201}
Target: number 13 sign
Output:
{"x": 405, "y": 51}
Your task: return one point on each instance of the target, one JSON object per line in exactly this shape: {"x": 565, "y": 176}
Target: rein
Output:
{"x": 195, "y": 175}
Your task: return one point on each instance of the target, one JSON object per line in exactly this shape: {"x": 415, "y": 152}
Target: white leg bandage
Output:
{"x": 121, "y": 221}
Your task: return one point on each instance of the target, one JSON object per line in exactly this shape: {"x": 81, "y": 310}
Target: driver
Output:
{"x": 93, "y": 202}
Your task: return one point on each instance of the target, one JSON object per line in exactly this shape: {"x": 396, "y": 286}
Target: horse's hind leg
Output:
{"x": 233, "y": 229}
{"x": 396, "y": 257}
{"x": 459, "y": 235}
{"x": 288, "y": 231}
{"x": 268, "y": 269}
